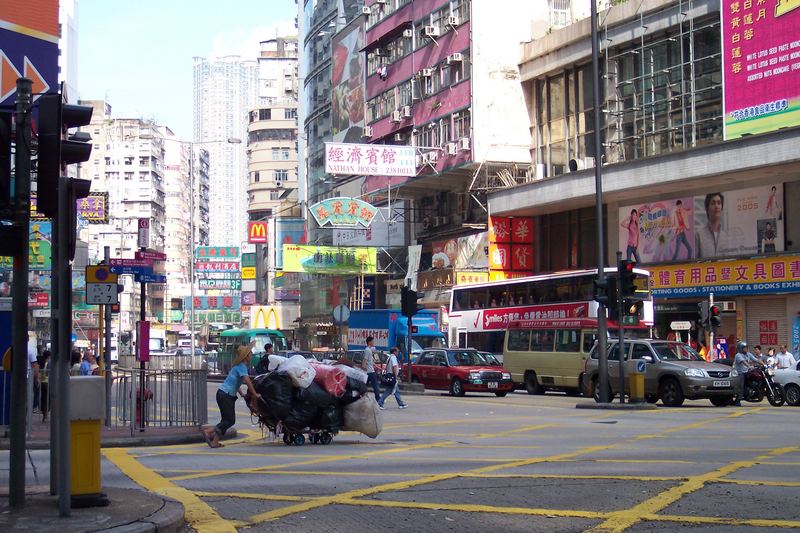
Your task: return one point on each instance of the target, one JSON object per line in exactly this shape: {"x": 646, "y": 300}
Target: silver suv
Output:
{"x": 673, "y": 372}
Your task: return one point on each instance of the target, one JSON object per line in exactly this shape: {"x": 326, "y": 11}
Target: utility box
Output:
{"x": 87, "y": 408}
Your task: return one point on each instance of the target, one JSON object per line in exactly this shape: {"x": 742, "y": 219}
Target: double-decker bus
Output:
{"x": 481, "y": 313}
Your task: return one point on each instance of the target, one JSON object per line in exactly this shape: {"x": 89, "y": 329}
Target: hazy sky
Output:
{"x": 138, "y": 55}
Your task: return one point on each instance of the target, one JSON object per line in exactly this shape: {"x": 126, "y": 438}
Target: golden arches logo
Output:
{"x": 264, "y": 317}
{"x": 257, "y": 232}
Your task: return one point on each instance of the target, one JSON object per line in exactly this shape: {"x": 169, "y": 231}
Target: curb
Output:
{"x": 643, "y": 406}
{"x": 412, "y": 388}
{"x": 130, "y": 442}
{"x": 169, "y": 519}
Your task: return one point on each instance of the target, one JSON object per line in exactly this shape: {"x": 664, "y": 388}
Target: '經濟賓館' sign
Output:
{"x": 370, "y": 159}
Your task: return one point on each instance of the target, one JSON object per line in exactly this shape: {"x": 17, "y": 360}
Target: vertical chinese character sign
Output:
{"x": 761, "y": 65}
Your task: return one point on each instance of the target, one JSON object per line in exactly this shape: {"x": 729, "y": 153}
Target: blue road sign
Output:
{"x": 150, "y": 278}
{"x": 641, "y": 366}
{"x": 138, "y": 270}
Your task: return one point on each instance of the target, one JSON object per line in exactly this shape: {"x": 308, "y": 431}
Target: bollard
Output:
{"x": 637, "y": 381}
{"x": 86, "y": 412}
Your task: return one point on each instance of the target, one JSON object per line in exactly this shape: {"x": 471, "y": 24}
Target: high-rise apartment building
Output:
{"x": 225, "y": 90}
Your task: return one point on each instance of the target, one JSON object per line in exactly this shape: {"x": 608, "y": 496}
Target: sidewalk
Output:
{"x": 120, "y": 437}
{"x": 130, "y": 511}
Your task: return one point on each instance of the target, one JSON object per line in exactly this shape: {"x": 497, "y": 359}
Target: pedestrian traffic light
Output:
{"x": 57, "y": 149}
{"x": 605, "y": 293}
{"x": 408, "y": 302}
{"x": 714, "y": 317}
{"x": 627, "y": 278}
{"x": 703, "y": 314}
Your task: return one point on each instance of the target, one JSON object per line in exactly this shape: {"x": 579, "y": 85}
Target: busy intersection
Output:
{"x": 482, "y": 463}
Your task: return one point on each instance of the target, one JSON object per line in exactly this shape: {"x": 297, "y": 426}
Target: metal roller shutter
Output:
{"x": 763, "y": 316}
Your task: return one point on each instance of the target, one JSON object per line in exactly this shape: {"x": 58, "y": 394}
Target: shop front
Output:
{"x": 759, "y": 299}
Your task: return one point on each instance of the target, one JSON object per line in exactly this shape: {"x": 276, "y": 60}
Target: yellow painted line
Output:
{"x": 251, "y": 496}
{"x": 248, "y": 437}
{"x": 331, "y": 473}
{"x": 622, "y": 520}
{"x": 567, "y": 477}
{"x": 761, "y": 482}
{"x": 514, "y": 431}
{"x": 756, "y": 522}
{"x": 201, "y": 516}
{"x": 649, "y": 461}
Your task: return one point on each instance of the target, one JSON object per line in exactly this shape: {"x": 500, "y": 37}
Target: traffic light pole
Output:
{"x": 621, "y": 327}
{"x": 19, "y": 296}
{"x": 711, "y": 350}
{"x": 602, "y": 328}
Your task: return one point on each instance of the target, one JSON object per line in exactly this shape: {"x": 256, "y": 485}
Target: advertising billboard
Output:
{"x": 760, "y": 65}
{"x": 257, "y": 232}
{"x": 347, "y": 80}
{"x": 340, "y": 211}
{"x": 719, "y": 224}
{"x": 287, "y": 231}
{"x": 385, "y": 231}
{"x": 370, "y": 159}
{"x": 94, "y": 208}
{"x": 329, "y": 259}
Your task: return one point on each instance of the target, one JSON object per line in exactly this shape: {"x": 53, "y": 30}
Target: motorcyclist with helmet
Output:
{"x": 742, "y": 363}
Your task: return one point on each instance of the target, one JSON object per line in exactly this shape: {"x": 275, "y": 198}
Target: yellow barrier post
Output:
{"x": 637, "y": 382}
{"x": 87, "y": 408}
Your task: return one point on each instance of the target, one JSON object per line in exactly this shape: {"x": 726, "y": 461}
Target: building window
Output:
{"x": 290, "y": 113}
{"x": 256, "y": 177}
{"x": 281, "y": 175}
{"x": 264, "y": 114}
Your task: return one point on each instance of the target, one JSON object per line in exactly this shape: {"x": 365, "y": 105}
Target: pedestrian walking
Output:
{"x": 226, "y": 395}
{"x": 368, "y": 364}
{"x": 785, "y": 359}
{"x": 392, "y": 367}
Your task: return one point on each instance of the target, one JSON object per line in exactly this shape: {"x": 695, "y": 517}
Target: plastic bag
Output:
{"x": 314, "y": 394}
{"x": 275, "y": 361}
{"x": 276, "y": 390}
{"x": 355, "y": 373}
{"x": 329, "y": 418}
{"x": 300, "y": 415}
{"x": 364, "y": 416}
{"x": 331, "y": 378}
{"x": 301, "y": 372}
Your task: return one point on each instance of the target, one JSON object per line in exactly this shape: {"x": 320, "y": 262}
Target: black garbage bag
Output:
{"x": 276, "y": 390}
{"x": 355, "y": 385}
{"x": 301, "y": 415}
{"x": 329, "y": 418}
{"x": 315, "y": 395}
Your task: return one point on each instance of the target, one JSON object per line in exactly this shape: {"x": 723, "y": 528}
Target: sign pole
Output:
{"x": 711, "y": 349}
{"x": 19, "y": 297}
{"x": 621, "y": 326}
{"x": 107, "y": 354}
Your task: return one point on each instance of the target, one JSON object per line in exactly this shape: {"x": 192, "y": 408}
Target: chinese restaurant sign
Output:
{"x": 329, "y": 259}
{"x": 761, "y": 65}
{"x": 727, "y": 278}
{"x": 370, "y": 159}
{"x": 349, "y": 212}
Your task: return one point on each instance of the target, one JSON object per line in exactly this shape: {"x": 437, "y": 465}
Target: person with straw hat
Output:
{"x": 226, "y": 395}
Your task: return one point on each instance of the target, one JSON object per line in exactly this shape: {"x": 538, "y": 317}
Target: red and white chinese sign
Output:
{"x": 369, "y": 159}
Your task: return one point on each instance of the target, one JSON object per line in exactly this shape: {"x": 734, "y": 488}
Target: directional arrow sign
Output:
{"x": 131, "y": 262}
{"x": 132, "y": 269}
{"x": 150, "y": 278}
{"x": 152, "y": 256}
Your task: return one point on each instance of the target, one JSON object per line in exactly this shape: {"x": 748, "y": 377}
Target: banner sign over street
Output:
{"x": 370, "y": 159}
{"x": 329, "y": 259}
{"x": 347, "y": 212}
{"x": 760, "y": 65}
{"x": 217, "y": 252}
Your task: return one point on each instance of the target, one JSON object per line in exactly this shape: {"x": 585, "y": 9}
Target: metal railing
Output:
{"x": 171, "y": 398}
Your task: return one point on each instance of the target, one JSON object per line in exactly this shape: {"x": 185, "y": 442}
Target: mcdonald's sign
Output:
{"x": 264, "y": 317}
{"x": 257, "y": 232}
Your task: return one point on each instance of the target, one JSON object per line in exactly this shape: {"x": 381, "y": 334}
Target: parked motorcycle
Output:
{"x": 758, "y": 383}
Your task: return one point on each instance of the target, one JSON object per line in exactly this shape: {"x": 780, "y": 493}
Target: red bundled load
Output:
{"x": 331, "y": 378}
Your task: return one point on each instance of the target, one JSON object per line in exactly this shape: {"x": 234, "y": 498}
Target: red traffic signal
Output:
{"x": 714, "y": 316}
{"x": 627, "y": 278}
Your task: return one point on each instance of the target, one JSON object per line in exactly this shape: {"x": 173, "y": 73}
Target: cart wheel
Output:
{"x": 287, "y": 439}
{"x": 326, "y": 438}
{"x": 299, "y": 439}
{"x": 314, "y": 438}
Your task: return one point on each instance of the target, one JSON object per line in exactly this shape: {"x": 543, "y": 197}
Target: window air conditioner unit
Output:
{"x": 408, "y": 34}
{"x": 433, "y": 156}
{"x": 452, "y": 149}
{"x": 399, "y": 137}
{"x": 463, "y": 143}
{"x": 396, "y": 117}
{"x": 430, "y": 31}
{"x": 426, "y": 72}
{"x": 365, "y": 10}
{"x": 588, "y": 162}
{"x": 367, "y": 131}
{"x": 452, "y": 20}
{"x": 455, "y": 58}
{"x": 407, "y": 111}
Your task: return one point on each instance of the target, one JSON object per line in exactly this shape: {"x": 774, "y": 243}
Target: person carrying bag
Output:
{"x": 390, "y": 379}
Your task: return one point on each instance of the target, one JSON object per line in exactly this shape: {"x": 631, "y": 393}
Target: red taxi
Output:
{"x": 460, "y": 371}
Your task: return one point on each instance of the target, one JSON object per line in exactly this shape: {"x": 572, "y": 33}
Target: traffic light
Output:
{"x": 714, "y": 317}
{"x": 703, "y": 314}
{"x": 605, "y": 293}
{"x": 57, "y": 149}
{"x": 408, "y": 302}
{"x": 627, "y": 278}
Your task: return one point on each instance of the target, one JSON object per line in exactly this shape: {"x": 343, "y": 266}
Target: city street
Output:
{"x": 481, "y": 463}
